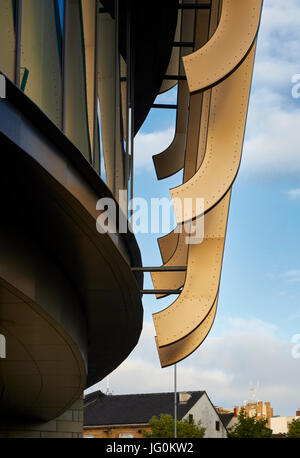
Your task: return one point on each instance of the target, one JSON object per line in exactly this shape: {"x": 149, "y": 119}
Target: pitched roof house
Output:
{"x": 120, "y": 416}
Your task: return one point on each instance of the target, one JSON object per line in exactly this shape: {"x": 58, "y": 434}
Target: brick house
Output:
{"x": 123, "y": 416}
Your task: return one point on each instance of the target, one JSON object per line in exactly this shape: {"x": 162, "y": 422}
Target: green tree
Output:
{"x": 294, "y": 429}
{"x": 163, "y": 427}
{"x": 249, "y": 427}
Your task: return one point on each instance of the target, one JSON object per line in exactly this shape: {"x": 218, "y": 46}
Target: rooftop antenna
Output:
{"x": 253, "y": 391}
{"x": 107, "y": 386}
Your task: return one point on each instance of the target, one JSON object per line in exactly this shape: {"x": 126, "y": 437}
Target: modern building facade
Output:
{"x": 78, "y": 78}
{"x": 70, "y": 306}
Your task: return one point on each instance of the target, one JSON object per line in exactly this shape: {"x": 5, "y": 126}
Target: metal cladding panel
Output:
{"x": 109, "y": 93}
{"x": 202, "y": 281}
{"x": 172, "y": 354}
{"x": 228, "y": 113}
{"x": 171, "y": 160}
{"x": 195, "y": 109}
{"x": 123, "y": 74}
{"x": 167, "y": 245}
{"x": 77, "y": 126}
{"x": 7, "y": 39}
{"x": 89, "y": 36}
{"x": 228, "y": 47}
{"x": 41, "y": 57}
{"x": 214, "y": 139}
{"x": 174, "y": 61}
{"x": 172, "y": 280}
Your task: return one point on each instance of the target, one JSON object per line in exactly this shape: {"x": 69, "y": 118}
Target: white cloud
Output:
{"x": 293, "y": 194}
{"x": 236, "y": 326}
{"x": 224, "y": 366}
{"x": 292, "y": 275}
{"x": 273, "y": 134}
{"x": 274, "y": 147}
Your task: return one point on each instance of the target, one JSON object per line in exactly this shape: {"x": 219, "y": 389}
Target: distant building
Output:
{"x": 259, "y": 409}
{"x": 124, "y": 416}
{"x": 280, "y": 425}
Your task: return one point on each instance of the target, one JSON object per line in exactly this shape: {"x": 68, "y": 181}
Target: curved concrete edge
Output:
{"x": 59, "y": 207}
{"x": 45, "y": 368}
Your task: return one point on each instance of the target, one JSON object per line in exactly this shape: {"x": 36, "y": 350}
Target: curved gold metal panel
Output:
{"x": 227, "y": 48}
{"x": 171, "y": 160}
{"x": 173, "y": 280}
{"x": 229, "y": 105}
{"x": 195, "y": 150}
{"x": 214, "y": 139}
{"x": 202, "y": 280}
{"x": 172, "y": 354}
{"x": 167, "y": 245}
{"x": 204, "y": 24}
{"x": 206, "y": 100}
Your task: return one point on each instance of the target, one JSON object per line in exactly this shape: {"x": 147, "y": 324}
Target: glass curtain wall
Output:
{"x": 41, "y": 57}
{"x": 75, "y": 88}
{"x": 8, "y": 38}
{"x": 69, "y": 64}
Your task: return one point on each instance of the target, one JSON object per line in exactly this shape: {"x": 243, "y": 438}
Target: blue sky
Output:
{"x": 259, "y": 304}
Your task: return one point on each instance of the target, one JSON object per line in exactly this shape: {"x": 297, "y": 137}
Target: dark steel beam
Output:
{"x": 123, "y": 79}
{"x": 183, "y": 44}
{"x": 160, "y": 269}
{"x": 175, "y": 77}
{"x": 161, "y": 291}
{"x": 164, "y": 105}
{"x": 194, "y": 6}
